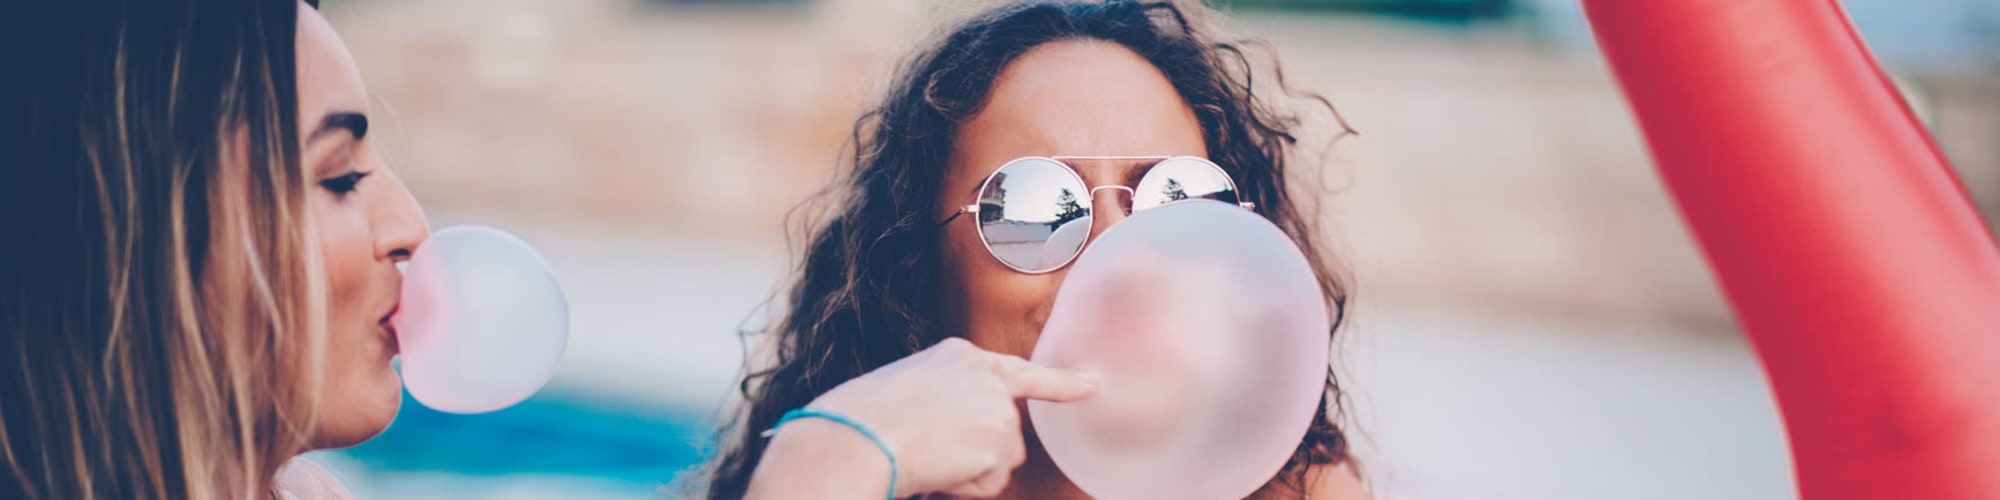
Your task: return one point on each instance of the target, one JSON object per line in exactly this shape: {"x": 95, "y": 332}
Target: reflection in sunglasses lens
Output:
{"x": 1182, "y": 179}
{"x": 1034, "y": 214}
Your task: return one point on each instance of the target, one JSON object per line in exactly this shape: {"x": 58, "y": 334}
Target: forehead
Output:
{"x": 1080, "y": 98}
{"x": 328, "y": 80}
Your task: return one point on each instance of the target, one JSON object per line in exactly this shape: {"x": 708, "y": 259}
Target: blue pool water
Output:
{"x": 558, "y": 438}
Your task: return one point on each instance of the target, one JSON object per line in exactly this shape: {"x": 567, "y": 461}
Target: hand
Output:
{"x": 948, "y": 413}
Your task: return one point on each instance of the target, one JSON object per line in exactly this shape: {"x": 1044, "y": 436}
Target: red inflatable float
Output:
{"x": 1854, "y": 260}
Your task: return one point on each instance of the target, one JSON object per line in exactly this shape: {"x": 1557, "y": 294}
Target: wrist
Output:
{"x": 820, "y": 458}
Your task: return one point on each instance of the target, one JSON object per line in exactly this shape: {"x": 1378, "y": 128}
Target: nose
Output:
{"x": 399, "y": 222}
{"x": 1108, "y": 205}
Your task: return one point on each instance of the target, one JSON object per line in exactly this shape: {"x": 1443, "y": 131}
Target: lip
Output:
{"x": 388, "y": 324}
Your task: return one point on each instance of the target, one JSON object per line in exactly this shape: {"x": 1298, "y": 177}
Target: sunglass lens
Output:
{"x": 1034, "y": 214}
{"x": 1183, "y": 178}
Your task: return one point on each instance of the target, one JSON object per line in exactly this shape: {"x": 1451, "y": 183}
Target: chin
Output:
{"x": 349, "y": 421}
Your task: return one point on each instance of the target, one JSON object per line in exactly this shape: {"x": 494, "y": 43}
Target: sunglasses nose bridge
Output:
{"x": 1109, "y": 208}
{"x": 1122, "y": 204}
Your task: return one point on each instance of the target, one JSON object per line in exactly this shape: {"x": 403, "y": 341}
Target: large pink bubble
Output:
{"x": 1208, "y": 331}
{"x": 482, "y": 322}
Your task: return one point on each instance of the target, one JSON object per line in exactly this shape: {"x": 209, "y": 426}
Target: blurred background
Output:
{"x": 1532, "y": 320}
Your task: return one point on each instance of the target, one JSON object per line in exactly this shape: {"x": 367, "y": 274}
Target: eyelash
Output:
{"x": 344, "y": 183}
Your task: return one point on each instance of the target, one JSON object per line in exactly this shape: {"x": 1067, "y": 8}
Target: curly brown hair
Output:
{"x": 869, "y": 289}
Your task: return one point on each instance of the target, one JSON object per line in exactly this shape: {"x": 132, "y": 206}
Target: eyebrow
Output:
{"x": 355, "y": 124}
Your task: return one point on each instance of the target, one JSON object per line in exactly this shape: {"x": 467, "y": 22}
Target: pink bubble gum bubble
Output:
{"x": 482, "y": 321}
{"x": 1209, "y": 334}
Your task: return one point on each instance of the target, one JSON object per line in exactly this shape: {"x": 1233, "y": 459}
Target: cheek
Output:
{"x": 362, "y": 392}
{"x": 356, "y": 294}
{"x": 345, "y": 255}
{"x": 1003, "y": 309}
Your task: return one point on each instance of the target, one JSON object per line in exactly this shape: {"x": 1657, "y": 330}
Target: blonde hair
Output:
{"x": 165, "y": 311}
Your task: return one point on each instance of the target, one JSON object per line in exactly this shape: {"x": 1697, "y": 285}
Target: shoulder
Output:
{"x": 1335, "y": 482}
{"x": 304, "y": 479}
{"x": 1321, "y": 482}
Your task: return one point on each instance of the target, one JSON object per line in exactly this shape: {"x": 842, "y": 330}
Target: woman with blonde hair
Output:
{"x": 199, "y": 255}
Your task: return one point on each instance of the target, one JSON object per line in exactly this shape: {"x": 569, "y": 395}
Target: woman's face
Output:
{"x": 1068, "y": 98}
{"x": 367, "y": 222}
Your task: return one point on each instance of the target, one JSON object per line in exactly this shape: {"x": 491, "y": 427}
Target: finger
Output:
{"x": 1032, "y": 381}
{"x": 948, "y": 346}
{"x": 987, "y": 485}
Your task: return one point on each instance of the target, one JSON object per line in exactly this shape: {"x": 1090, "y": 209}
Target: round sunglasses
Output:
{"x": 1034, "y": 213}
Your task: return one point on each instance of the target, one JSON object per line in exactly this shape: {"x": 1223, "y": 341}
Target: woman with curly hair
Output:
{"x": 910, "y": 312}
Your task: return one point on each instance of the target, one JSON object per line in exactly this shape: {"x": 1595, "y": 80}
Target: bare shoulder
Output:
{"x": 1335, "y": 482}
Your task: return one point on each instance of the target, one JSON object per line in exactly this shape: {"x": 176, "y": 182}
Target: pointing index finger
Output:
{"x": 1032, "y": 381}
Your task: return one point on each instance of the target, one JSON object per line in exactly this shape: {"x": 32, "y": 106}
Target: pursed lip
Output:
{"x": 388, "y": 324}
